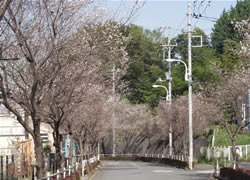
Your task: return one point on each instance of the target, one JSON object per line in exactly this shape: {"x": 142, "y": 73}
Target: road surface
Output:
{"x": 130, "y": 170}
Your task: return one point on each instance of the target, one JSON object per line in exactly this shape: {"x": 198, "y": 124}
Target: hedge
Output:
{"x": 234, "y": 174}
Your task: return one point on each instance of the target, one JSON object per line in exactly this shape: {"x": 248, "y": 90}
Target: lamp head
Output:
{"x": 155, "y": 86}
{"x": 170, "y": 60}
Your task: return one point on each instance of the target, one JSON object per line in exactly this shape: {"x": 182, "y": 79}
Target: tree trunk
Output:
{"x": 57, "y": 145}
{"x": 103, "y": 146}
{"x": 38, "y": 150}
{"x": 185, "y": 147}
{"x": 81, "y": 148}
{"x": 149, "y": 142}
{"x": 235, "y": 156}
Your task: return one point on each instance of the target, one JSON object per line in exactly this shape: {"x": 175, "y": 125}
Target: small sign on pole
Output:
{"x": 67, "y": 144}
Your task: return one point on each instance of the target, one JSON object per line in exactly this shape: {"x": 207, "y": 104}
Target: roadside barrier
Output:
{"x": 173, "y": 157}
{"x": 70, "y": 170}
{"x": 175, "y": 160}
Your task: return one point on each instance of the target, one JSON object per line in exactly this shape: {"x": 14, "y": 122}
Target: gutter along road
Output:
{"x": 130, "y": 170}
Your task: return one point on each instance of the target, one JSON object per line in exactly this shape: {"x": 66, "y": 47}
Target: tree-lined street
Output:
{"x": 94, "y": 81}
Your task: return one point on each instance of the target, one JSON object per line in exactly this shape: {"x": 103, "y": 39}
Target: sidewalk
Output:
{"x": 203, "y": 167}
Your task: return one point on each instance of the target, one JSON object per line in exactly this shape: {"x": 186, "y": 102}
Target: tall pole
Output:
{"x": 190, "y": 89}
{"x": 170, "y": 99}
{"x": 113, "y": 113}
{"x": 98, "y": 151}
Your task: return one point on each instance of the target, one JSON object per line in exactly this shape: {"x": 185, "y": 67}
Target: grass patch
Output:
{"x": 222, "y": 139}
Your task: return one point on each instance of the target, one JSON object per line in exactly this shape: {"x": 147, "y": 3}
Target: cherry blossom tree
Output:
{"x": 177, "y": 115}
{"x": 228, "y": 97}
{"x": 50, "y": 37}
{"x": 133, "y": 123}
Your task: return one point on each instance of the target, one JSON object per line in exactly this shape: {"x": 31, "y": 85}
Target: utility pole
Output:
{"x": 170, "y": 102}
{"x": 190, "y": 89}
{"x": 169, "y": 78}
{"x": 169, "y": 72}
{"x": 113, "y": 109}
{"x": 170, "y": 99}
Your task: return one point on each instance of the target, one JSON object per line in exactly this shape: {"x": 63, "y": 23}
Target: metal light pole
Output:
{"x": 168, "y": 99}
{"x": 167, "y": 92}
{"x": 113, "y": 113}
{"x": 170, "y": 102}
{"x": 190, "y": 89}
{"x": 186, "y": 79}
{"x": 169, "y": 78}
{"x": 186, "y": 68}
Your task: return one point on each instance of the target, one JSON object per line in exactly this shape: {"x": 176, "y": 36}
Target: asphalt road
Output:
{"x": 128, "y": 170}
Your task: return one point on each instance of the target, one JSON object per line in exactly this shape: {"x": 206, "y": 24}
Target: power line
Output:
{"x": 179, "y": 27}
{"x": 199, "y": 15}
{"x": 194, "y": 5}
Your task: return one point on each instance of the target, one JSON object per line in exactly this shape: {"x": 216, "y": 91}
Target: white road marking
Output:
{"x": 205, "y": 172}
{"x": 113, "y": 163}
{"x": 162, "y": 171}
{"x": 133, "y": 164}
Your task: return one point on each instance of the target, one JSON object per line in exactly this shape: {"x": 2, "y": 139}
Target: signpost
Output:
{"x": 67, "y": 146}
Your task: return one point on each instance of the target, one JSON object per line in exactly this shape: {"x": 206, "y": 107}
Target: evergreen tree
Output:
{"x": 145, "y": 65}
{"x": 204, "y": 62}
{"x": 224, "y": 29}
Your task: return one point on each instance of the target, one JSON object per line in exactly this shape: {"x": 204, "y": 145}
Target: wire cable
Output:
{"x": 178, "y": 28}
{"x": 199, "y": 15}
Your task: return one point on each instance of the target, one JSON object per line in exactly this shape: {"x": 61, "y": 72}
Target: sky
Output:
{"x": 171, "y": 14}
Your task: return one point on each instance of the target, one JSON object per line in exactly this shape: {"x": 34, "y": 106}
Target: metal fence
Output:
{"x": 70, "y": 169}
{"x": 174, "y": 156}
{"x": 7, "y": 167}
{"x": 12, "y": 167}
{"x": 226, "y": 152}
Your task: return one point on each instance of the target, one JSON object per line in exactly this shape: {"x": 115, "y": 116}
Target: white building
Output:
{"x": 12, "y": 132}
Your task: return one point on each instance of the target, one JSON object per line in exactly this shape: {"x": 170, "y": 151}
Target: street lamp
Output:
{"x": 168, "y": 99}
{"x": 178, "y": 60}
{"x": 167, "y": 93}
{"x": 187, "y": 78}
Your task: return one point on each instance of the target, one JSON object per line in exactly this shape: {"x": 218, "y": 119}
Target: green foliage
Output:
{"x": 216, "y": 57}
{"x": 46, "y": 149}
{"x": 226, "y": 39}
{"x": 145, "y": 65}
{"x": 204, "y": 62}
{"x": 202, "y": 159}
{"x": 243, "y": 139}
{"x": 222, "y": 139}
{"x": 230, "y": 58}
{"x": 224, "y": 28}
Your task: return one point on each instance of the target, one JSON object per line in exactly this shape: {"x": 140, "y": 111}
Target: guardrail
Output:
{"x": 70, "y": 170}
{"x": 173, "y": 157}
{"x": 177, "y": 161}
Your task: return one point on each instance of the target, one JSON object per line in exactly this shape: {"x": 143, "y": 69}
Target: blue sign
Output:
{"x": 67, "y": 145}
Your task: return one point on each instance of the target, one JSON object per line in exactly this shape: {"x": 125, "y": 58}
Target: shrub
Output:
{"x": 234, "y": 174}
